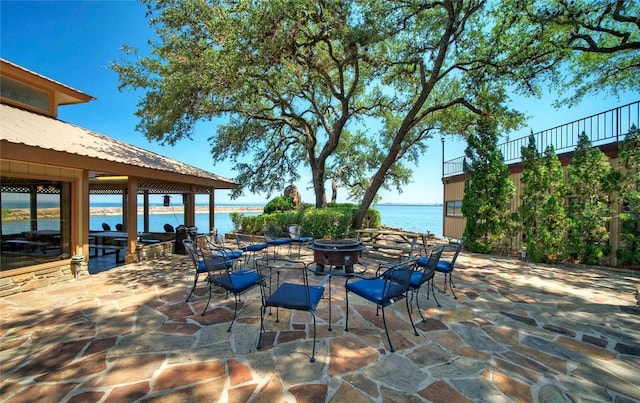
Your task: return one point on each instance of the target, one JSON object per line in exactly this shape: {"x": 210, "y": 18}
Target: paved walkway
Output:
{"x": 517, "y": 332}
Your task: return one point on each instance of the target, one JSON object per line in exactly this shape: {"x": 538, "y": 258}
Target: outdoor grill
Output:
{"x": 339, "y": 253}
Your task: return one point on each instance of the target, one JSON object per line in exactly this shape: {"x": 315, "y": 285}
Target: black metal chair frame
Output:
{"x": 279, "y": 293}
{"x": 427, "y": 273}
{"x": 450, "y": 271}
{"x": 394, "y": 284}
{"x": 221, "y": 264}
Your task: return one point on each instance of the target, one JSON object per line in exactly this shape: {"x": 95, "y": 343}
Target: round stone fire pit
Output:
{"x": 339, "y": 253}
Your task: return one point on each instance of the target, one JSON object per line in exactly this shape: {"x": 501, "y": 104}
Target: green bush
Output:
{"x": 279, "y": 203}
{"x": 335, "y": 221}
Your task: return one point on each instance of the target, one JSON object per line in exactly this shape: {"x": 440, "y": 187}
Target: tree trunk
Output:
{"x": 334, "y": 191}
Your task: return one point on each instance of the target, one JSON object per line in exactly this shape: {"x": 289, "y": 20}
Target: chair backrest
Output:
{"x": 295, "y": 231}
{"x": 106, "y": 226}
{"x": 432, "y": 263}
{"x": 190, "y": 247}
{"x": 243, "y": 240}
{"x": 397, "y": 279}
{"x": 206, "y": 262}
{"x": 271, "y": 233}
{"x": 169, "y": 228}
{"x": 292, "y": 274}
{"x": 119, "y": 227}
{"x": 458, "y": 249}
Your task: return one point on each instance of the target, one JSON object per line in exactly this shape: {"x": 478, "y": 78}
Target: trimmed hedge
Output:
{"x": 335, "y": 221}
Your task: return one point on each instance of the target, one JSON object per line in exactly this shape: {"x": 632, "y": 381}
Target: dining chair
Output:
{"x": 425, "y": 275}
{"x": 249, "y": 246}
{"x": 285, "y": 284}
{"x": 106, "y": 227}
{"x": 273, "y": 237}
{"x": 295, "y": 232}
{"x": 390, "y": 284}
{"x": 219, "y": 272}
{"x": 446, "y": 267}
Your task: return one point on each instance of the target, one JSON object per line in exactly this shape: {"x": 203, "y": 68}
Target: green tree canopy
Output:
{"x": 542, "y": 212}
{"x": 487, "y": 190}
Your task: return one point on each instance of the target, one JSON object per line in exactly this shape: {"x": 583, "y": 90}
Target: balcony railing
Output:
{"x": 602, "y": 128}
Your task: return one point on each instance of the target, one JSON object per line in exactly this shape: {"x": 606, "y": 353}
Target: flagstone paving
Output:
{"x": 518, "y": 332}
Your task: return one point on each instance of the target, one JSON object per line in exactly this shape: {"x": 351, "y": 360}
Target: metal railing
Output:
{"x": 602, "y": 128}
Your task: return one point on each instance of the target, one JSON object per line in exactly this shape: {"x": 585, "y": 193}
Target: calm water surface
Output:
{"x": 419, "y": 218}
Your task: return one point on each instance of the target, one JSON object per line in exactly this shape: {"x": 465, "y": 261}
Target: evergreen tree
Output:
{"x": 487, "y": 189}
{"x": 589, "y": 212}
{"x": 629, "y": 251}
{"x": 542, "y": 212}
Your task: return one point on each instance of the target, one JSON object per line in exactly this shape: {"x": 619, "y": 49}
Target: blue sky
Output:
{"x": 73, "y": 42}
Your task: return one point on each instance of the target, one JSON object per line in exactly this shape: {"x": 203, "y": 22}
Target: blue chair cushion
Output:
{"x": 444, "y": 266}
{"x": 373, "y": 290}
{"x": 294, "y": 296}
{"x": 255, "y": 247}
{"x": 422, "y": 261}
{"x": 303, "y": 239}
{"x": 231, "y": 254}
{"x": 279, "y": 241}
{"x": 238, "y": 281}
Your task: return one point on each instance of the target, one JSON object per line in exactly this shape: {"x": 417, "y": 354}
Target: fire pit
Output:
{"x": 340, "y": 253}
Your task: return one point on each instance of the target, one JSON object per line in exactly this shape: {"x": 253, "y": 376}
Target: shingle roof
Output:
{"x": 23, "y": 127}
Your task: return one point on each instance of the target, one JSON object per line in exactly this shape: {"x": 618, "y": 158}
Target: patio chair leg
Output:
{"x": 346, "y": 322}
{"x": 261, "y": 329}
{"x": 417, "y": 292}
{"x": 235, "y": 312}
{"x": 387, "y": 331}
{"x": 195, "y": 282}
{"x": 415, "y": 332}
{"x": 452, "y": 286}
{"x": 208, "y": 300}
{"x": 313, "y": 351}
{"x": 434, "y": 293}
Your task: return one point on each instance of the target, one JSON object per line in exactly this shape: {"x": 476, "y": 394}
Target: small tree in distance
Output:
{"x": 589, "y": 181}
{"x": 542, "y": 213}
{"x": 487, "y": 189}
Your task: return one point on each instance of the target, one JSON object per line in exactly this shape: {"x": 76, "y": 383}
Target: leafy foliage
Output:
{"x": 487, "y": 190}
{"x": 589, "y": 185}
{"x": 335, "y": 221}
{"x": 592, "y": 45}
{"x": 542, "y": 213}
{"x": 279, "y": 203}
{"x": 629, "y": 251}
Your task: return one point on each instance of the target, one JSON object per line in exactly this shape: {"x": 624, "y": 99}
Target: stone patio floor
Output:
{"x": 518, "y": 332}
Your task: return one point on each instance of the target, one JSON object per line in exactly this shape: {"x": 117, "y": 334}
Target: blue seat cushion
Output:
{"x": 303, "y": 239}
{"x": 422, "y": 261}
{"x": 255, "y": 247}
{"x": 230, "y": 254}
{"x": 238, "y": 281}
{"x": 294, "y": 296}
{"x": 279, "y": 241}
{"x": 373, "y": 290}
{"x": 444, "y": 266}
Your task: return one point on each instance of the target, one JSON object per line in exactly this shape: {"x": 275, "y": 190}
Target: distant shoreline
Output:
{"x": 23, "y": 214}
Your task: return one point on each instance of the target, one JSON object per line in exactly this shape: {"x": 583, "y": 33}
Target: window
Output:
{"x": 35, "y": 222}
{"x": 454, "y": 208}
{"x": 23, "y": 93}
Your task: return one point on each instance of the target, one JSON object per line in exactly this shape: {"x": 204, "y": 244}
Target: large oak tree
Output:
{"x": 291, "y": 77}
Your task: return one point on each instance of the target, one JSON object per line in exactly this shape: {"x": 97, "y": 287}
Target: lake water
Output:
{"x": 419, "y": 218}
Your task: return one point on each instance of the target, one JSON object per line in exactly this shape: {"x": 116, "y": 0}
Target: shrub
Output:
{"x": 335, "y": 221}
{"x": 279, "y": 203}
